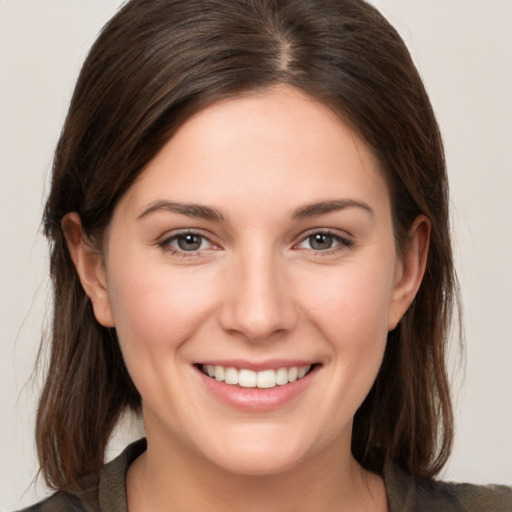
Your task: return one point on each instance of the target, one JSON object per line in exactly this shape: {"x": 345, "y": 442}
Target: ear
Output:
{"x": 90, "y": 268}
{"x": 410, "y": 270}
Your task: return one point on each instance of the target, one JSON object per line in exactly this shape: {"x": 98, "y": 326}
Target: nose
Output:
{"x": 258, "y": 301}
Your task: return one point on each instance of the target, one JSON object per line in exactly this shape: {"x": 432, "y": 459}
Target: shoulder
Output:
{"x": 97, "y": 492}
{"x": 480, "y": 498}
{"x": 83, "y": 497}
{"x": 407, "y": 493}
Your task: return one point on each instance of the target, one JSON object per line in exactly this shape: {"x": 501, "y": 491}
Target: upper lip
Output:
{"x": 259, "y": 366}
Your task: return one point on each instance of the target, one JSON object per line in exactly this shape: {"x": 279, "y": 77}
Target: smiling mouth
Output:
{"x": 265, "y": 379}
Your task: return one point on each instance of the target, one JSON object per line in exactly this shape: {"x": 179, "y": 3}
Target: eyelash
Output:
{"x": 166, "y": 246}
{"x": 342, "y": 243}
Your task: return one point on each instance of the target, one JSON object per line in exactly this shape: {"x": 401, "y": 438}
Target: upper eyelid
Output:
{"x": 168, "y": 235}
{"x": 344, "y": 235}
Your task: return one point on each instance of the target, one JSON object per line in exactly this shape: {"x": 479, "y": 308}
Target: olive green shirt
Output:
{"x": 106, "y": 492}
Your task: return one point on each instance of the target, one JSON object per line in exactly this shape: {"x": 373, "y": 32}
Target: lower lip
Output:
{"x": 257, "y": 399}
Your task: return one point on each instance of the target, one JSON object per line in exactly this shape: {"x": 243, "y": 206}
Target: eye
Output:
{"x": 186, "y": 242}
{"x": 189, "y": 242}
{"x": 323, "y": 241}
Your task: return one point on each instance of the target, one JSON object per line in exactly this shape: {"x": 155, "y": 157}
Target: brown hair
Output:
{"x": 154, "y": 64}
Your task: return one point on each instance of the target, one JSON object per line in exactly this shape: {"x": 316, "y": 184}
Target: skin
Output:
{"x": 257, "y": 290}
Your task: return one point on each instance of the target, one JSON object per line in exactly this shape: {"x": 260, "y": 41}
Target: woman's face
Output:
{"x": 256, "y": 247}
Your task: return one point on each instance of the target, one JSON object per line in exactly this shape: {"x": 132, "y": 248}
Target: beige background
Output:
{"x": 464, "y": 51}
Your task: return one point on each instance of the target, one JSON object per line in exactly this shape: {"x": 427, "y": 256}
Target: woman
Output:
{"x": 250, "y": 246}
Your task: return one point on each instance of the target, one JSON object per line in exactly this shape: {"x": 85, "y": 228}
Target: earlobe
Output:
{"x": 90, "y": 268}
{"x": 410, "y": 270}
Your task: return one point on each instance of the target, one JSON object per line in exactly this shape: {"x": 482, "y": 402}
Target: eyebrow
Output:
{"x": 323, "y": 207}
{"x": 208, "y": 213}
{"x": 188, "y": 209}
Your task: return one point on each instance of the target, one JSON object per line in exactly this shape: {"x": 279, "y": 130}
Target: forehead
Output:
{"x": 277, "y": 144}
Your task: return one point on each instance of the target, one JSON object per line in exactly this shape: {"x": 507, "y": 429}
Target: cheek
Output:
{"x": 351, "y": 307}
{"x": 349, "y": 318}
{"x": 157, "y": 308}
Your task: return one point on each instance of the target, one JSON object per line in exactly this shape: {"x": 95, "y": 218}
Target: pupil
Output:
{"x": 321, "y": 241}
{"x": 189, "y": 242}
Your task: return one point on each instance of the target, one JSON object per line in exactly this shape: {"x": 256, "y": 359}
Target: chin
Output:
{"x": 269, "y": 452}
{"x": 258, "y": 463}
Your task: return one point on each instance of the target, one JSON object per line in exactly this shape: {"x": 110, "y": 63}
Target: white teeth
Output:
{"x": 247, "y": 378}
{"x": 231, "y": 376}
{"x": 219, "y": 373}
{"x": 302, "y": 371}
{"x": 266, "y": 379}
{"x": 251, "y": 379}
{"x": 282, "y": 376}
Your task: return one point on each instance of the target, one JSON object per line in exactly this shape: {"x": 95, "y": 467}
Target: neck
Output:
{"x": 175, "y": 479}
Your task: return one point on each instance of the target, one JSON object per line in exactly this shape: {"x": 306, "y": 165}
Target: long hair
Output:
{"x": 155, "y": 64}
